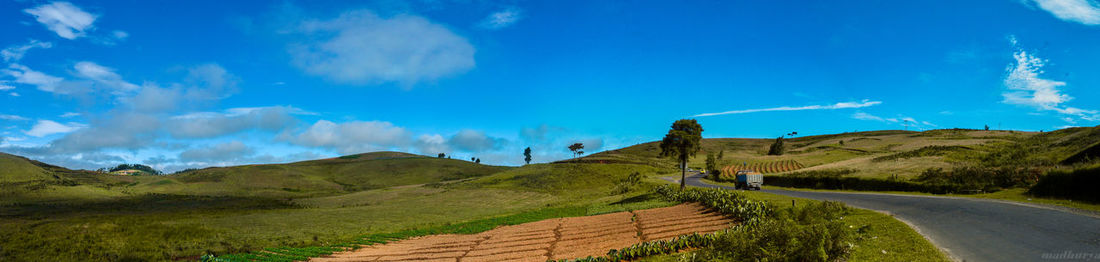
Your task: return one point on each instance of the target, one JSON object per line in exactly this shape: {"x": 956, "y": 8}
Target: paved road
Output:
{"x": 978, "y": 230}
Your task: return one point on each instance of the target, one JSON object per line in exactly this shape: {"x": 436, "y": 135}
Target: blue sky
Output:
{"x": 88, "y": 84}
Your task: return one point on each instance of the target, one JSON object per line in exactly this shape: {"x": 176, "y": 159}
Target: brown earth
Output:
{"x": 559, "y": 238}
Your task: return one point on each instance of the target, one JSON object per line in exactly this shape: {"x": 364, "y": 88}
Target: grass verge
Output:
{"x": 640, "y": 201}
{"x": 884, "y": 237}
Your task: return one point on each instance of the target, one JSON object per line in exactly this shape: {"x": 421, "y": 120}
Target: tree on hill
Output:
{"x": 138, "y": 167}
{"x": 576, "y": 148}
{"x": 712, "y": 166}
{"x": 472, "y": 159}
{"x": 477, "y": 160}
{"x": 527, "y": 155}
{"x": 682, "y": 142}
{"x": 777, "y": 148}
{"x": 986, "y": 127}
{"x": 441, "y": 155}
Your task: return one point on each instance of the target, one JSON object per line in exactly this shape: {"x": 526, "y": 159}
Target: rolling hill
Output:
{"x": 888, "y": 152}
{"x": 64, "y": 214}
{"x": 28, "y": 180}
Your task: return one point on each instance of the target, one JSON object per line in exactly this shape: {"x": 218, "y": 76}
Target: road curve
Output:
{"x": 977, "y": 229}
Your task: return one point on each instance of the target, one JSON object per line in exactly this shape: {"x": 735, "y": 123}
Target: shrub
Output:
{"x": 811, "y": 233}
{"x": 933, "y": 180}
{"x": 777, "y": 148}
{"x": 627, "y": 184}
{"x": 1078, "y": 184}
{"x": 980, "y": 178}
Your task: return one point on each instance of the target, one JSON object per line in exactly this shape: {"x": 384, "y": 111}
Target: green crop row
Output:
{"x": 287, "y": 254}
{"x": 748, "y": 212}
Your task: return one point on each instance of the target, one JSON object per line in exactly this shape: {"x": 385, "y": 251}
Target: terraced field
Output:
{"x": 763, "y": 167}
{"x": 560, "y": 238}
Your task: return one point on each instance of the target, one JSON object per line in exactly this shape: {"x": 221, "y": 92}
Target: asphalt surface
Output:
{"x": 975, "y": 229}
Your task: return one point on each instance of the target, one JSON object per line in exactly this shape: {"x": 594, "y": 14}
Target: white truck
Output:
{"x": 748, "y": 179}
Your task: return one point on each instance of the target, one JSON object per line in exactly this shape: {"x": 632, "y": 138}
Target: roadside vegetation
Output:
{"x": 1051, "y": 166}
{"x": 872, "y": 236}
{"x": 770, "y": 229}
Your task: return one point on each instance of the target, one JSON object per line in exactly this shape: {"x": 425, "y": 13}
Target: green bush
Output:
{"x": 1079, "y": 184}
{"x": 835, "y": 180}
{"x": 980, "y": 178}
{"x": 812, "y": 233}
{"x": 933, "y": 180}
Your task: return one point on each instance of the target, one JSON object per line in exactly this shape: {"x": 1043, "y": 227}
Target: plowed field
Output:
{"x": 763, "y": 167}
{"x": 559, "y": 238}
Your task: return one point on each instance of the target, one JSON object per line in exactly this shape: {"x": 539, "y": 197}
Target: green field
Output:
{"x": 90, "y": 216}
{"x": 52, "y": 213}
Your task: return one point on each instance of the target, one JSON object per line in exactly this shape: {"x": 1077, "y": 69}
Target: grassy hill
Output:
{"x": 19, "y": 169}
{"x": 61, "y": 214}
{"x": 25, "y": 180}
{"x": 881, "y": 154}
{"x": 326, "y": 176}
{"x": 247, "y": 208}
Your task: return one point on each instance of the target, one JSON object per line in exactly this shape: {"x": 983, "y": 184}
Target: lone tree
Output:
{"x": 777, "y": 147}
{"x": 712, "y": 166}
{"x": 527, "y": 155}
{"x": 682, "y": 142}
{"x": 478, "y": 161}
{"x": 576, "y": 148}
{"x": 720, "y": 154}
{"x": 441, "y": 155}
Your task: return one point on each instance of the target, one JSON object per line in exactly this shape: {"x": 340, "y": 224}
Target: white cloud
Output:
{"x": 11, "y": 117}
{"x": 120, "y": 35}
{"x": 6, "y": 87}
{"x": 474, "y": 141}
{"x": 429, "y": 144}
{"x": 202, "y": 85}
{"x": 25, "y": 75}
{"x": 124, "y": 130}
{"x": 70, "y": 114}
{"x": 359, "y": 47}
{"x": 866, "y": 116}
{"x": 229, "y": 151}
{"x": 213, "y": 124}
{"x": 502, "y": 19}
{"x": 63, "y": 18}
{"x": 353, "y": 137}
{"x": 1080, "y": 11}
{"x": 15, "y": 53}
{"x": 538, "y": 134}
{"x": 47, "y": 127}
{"x": 1027, "y": 88}
{"x": 904, "y": 120}
{"x": 14, "y": 94}
{"x": 842, "y": 105}
{"x": 103, "y": 75}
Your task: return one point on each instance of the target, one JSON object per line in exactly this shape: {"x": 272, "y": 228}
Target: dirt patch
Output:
{"x": 551, "y": 239}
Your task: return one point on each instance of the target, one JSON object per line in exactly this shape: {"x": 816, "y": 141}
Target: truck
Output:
{"x": 748, "y": 179}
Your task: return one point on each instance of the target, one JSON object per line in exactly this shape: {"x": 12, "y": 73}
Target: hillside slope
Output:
{"x": 19, "y": 169}
{"x": 342, "y": 174}
{"x": 24, "y": 180}
{"x": 886, "y": 153}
